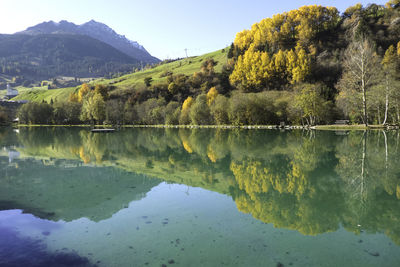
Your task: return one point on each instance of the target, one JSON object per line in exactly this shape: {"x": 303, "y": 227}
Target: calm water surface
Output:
{"x": 154, "y": 197}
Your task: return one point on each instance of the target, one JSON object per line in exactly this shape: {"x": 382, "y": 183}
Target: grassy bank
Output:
{"x": 354, "y": 127}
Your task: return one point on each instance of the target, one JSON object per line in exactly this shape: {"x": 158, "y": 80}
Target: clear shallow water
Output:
{"x": 199, "y": 198}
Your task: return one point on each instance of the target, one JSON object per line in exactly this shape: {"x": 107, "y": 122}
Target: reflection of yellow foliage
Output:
{"x": 75, "y": 150}
{"x": 253, "y": 178}
{"x": 187, "y": 147}
{"x": 242, "y": 204}
{"x": 250, "y": 177}
{"x": 296, "y": 180}
{"x": 211, "y": 154}
{"x": 94, "y": 147}
{"x": 85, "y": 158}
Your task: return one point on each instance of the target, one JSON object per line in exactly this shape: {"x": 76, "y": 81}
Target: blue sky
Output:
{"x": 164, "y": 27}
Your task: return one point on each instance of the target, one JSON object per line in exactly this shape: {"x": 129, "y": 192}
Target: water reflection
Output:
{"x": 17, "y": 250}
{"x": 311, "y": 182}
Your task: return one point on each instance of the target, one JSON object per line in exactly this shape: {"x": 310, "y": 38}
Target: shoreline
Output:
{"x": 248, "y": 127}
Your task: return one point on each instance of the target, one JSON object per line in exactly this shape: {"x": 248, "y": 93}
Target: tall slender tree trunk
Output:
{"x": 364, "y": 93}
{"x": 364, "y": 153}
{"x": 386, "y": 154}
{"x": 379, "y": 141}
{"x": 387, "y": 99}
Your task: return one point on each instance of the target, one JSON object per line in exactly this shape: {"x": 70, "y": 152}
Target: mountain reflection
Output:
{"x": 312, "y": 182}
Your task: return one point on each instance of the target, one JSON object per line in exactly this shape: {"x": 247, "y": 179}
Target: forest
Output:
{"x": 308, "y": 66}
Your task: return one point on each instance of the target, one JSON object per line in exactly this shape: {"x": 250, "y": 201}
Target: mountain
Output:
{"x": 97, "y": 31}
{"x": 45, "y": 56}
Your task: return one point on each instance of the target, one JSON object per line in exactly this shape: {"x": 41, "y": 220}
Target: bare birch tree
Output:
{"x": 360, "y": 69}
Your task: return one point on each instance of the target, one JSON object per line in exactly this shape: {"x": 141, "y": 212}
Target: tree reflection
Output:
{"x": 312, "y": 182}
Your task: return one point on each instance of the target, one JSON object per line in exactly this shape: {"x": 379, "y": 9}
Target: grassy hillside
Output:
{"x": 185, "y": 66}
{"x": 38, "y": 95}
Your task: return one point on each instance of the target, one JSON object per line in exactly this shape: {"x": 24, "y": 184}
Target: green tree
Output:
{"x": 114, "y": 112}
{"x": 148, "y": 81}
{"x": 172, "y": 88}
{"x": 36, "y": 113}
{"x": 310, "y": 102}
{"x": 93, "y": 108}
{"x": 67, "y": 112}
{"x": 219, "y": 110}
{"x": 172, "y": 112}
{"x": 102, "y": 90}
{"x": 200, "y": 111}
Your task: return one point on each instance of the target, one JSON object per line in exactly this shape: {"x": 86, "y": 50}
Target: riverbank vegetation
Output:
{"x": 307, "y": 66}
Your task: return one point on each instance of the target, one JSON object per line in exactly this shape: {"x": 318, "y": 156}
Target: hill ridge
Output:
{"x": 96, "y": 30}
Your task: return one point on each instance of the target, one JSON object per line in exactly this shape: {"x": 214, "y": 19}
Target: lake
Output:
{"x": 202, "y": 197}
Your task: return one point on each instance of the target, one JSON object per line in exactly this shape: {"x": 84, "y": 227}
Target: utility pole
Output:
{"x": 186, "y": 52}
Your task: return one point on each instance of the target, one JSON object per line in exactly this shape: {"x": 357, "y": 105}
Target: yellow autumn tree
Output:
{"x": 398, "y": 49}
{"x": 278, "y": 50}
{"x": 184, "y": 117}
{"x": 187, "y": 104}
{"x": 278, "y": 65}
{"x": 302, "y": 67}
{"x": 84, "y": 90}
{"x": 392, "y": 4}
{"x": 251, "y": 71}
{"x": 73, "y": 97}
{"x": 212, "y": 95}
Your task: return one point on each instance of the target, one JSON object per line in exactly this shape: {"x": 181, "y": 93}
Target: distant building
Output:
{"x": 11, "y": 92}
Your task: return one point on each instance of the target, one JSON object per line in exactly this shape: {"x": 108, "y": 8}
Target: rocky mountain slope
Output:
{"x": 97, "y": 31}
